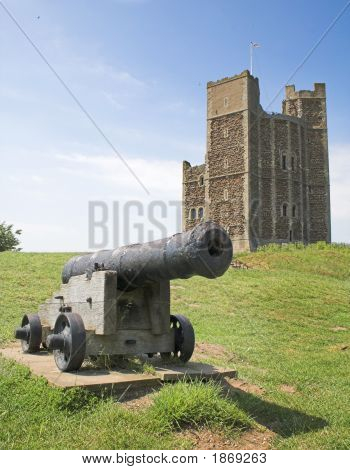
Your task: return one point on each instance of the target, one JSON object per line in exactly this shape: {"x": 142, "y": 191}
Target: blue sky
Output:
{"x": 140, "y": 68}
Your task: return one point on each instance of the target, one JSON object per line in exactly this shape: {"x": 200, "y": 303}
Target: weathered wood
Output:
{"x": 99, "y": 315}
{"x": 131, "y": 342}
{"x": 116, "y": 322}
{"x": 170, "y": 372}
{"x": 42, "y": 364}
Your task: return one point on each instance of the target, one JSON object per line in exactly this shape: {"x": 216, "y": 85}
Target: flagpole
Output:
{"x": 251, "y": 57}
{"x": 252, "y": 46}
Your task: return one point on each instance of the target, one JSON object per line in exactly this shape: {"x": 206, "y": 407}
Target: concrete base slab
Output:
{"x": 43, "y": 364}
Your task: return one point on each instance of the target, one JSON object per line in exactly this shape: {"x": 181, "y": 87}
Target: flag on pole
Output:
{"x": 252, "y": 45}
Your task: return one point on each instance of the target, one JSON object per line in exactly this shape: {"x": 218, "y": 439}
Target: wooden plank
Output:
{"x": 43, "y": 364}
{"x": 192, "y": 370}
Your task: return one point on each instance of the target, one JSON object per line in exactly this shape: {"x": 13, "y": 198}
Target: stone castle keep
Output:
{"x": 265, "y": 178}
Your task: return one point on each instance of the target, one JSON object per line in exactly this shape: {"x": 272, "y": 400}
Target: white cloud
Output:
{"x": 18, "y": 94}
{"x": 97, "y": 68}
{"x": 179, "y": 107}
{"x": 51, "y": 205}
{"x": 113, "y": 100}
{"x": 159, "y": 176}
{"x": 51, "y": 237}
{"x": 339, "y": 167}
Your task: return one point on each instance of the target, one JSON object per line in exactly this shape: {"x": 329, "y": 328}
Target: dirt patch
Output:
{"x": 205, "y": 439}
{"x": 237, "y": 264}
{"x": 339, "y": 328}
{"x": 204, "y": 351}
{"x": 138, "y": 399}
{"x": 245, "y": 386}
{"x": 288, "y": 388}
{"x": 255, "y": 440}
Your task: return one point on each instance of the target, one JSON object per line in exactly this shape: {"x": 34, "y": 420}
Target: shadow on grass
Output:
{"x": 279, "y": 419}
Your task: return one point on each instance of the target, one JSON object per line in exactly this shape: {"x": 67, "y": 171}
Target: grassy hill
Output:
{"x": 284, "y": 324}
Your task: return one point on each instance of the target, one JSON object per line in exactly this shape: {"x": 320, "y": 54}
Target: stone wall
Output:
{"x": 318, "y": 179}
{"x": 281, "y": 179}
{"x": 193, "y": 194}
{"x": 267, "y": 192}
{"x": 255, "y": 186}
{"x": 296, "y": 182}
{"x": 228, "y": 213}
{"x": 226, "y": 165}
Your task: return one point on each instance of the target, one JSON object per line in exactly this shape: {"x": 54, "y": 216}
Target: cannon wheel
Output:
{"x": 184, "y": 337}
{"x": 32, "y": 324}
{"x": 71, "y": 355}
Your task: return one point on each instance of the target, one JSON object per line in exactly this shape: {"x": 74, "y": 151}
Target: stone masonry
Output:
{"x": 265, "y": 177}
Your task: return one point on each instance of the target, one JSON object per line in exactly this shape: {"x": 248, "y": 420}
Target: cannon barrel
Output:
{"x": 206, "y": 250}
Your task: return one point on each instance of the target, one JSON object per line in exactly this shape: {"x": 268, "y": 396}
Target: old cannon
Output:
{"x": 117, "y": 302}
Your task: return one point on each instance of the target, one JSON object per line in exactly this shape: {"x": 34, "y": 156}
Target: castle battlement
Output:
{"x": 243, "y": 74}
{"x": 319, "y": 91}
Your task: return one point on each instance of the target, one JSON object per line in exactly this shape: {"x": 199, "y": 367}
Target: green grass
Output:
{"x": 279, "y": 323}
{"x": 197, "y": 404}
{"x": 34, "y": 415}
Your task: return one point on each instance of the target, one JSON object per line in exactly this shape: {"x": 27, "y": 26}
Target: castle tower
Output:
{"x": 230, "y": 102}
{"x": 310, "y": 106}
{"x": 265, "y": 177}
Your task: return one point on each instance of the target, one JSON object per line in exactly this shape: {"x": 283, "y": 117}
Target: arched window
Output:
{"x": 200, "y": 213}
{"x": 293, "y": 163}
{"x": 201, "y": 180}
{"x": 284, "y": 209}
{"x": 294, "y": 210}
{"x": 193, "y": 214}
{"x": 225, "y": 195}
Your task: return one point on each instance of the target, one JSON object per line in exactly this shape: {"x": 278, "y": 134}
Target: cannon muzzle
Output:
{"x": 206, "y": 251}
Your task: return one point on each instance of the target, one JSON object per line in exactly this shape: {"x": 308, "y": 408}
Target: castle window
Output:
{"x": 200, "y": 213}
{"x": 192, "y": 214}
{"x": 201, "y": 180}
{"x": 284, "y": 161}
{"x": 225, "y": 102}
{"x": 294, "y": 211}
{"x": 225, "y": 195}
{"x": 284, "y": 209}
{"x": 225, "y": 133}
{"x": 293, "y": 163}
{"x": 226, "y": 163}
{"x": 290, "y": 235}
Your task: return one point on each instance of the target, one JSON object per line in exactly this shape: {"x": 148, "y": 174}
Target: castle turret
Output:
{"x": 310, "y": 106}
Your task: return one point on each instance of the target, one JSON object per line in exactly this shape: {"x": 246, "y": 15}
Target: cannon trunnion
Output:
{"x": 117, "y": 302}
